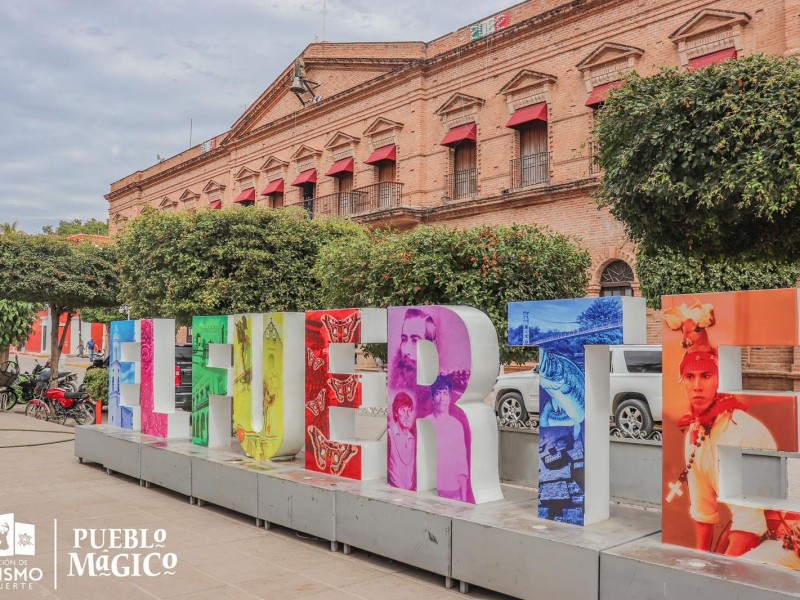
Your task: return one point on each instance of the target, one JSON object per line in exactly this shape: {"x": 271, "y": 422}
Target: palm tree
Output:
{"x": 9, "y": 228}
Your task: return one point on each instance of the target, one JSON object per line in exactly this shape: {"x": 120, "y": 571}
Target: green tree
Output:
{"x": 59, "y": 274}
{"x": 9, "y": 228}
{"x": 223, "y": 262}
{"x": 65, "y": 228}
{"x": 665, "y": 272}
{"x": 483, "y": 267}
{"x": 707, "y": 162}
{"x": 16, "y": 324}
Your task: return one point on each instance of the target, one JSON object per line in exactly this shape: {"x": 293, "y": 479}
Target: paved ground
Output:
{"x": 221, "y": 555}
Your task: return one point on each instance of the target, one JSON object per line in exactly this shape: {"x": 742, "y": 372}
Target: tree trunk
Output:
{"x": 57, "y": 341}
{"x": 55, "y": 350}
{"x": 3, "y": 355}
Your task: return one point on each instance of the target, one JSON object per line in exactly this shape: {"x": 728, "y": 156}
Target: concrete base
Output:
{"x": 500, "y": 545}
{"x": 646, "y": 568}
{"x": 298, "y": 499}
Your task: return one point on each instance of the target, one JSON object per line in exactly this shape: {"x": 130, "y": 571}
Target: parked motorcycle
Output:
{"x": 59, "y": 406}
{"x": 67, "y": 380}
{"x": 22, "y": 386}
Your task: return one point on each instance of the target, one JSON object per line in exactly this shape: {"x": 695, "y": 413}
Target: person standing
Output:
{"x": 90, "y": 345}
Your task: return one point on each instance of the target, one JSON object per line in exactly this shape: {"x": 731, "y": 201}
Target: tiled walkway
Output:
{"x": 221, "y": 555}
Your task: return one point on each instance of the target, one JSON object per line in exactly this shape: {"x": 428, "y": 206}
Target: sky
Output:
{"x": 94, "y": 90}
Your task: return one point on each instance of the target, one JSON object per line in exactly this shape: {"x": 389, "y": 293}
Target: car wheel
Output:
{"x": 511, "y": 408}
{"x": 633, "y": 418}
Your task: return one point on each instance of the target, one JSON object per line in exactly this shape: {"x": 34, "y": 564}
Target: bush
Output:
{"x": 483, "y": 267}
{"x": 665, "y": 272}
{"x": 224, "y": 261}
{"x": 707, "y": 162}
{"x": 96, "y": 382}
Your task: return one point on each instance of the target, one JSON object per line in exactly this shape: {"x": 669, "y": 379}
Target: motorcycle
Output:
{"x": 22, "y": 387}
{"x": 67, "y": 380}
{"x": 59, "y": 405}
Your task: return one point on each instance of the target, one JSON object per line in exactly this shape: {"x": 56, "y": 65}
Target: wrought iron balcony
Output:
{"x": 461, "y": 184}
{"x": 360, "y": 201}
{"x": 532, "y": 169}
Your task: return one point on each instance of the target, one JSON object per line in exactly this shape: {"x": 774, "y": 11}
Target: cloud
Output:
{"x": 93, "y": 90}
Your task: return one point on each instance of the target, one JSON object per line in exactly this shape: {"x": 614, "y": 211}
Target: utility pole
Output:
{"x": 324, "y": 20}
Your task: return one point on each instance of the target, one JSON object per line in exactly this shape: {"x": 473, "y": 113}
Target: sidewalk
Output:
{"x": 221, "y": 555}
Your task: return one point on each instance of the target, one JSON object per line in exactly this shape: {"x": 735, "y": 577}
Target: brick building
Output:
{"x": 488, "y": 124}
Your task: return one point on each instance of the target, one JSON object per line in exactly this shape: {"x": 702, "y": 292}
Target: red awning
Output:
{"x": 275, "y": 187}
{"x": 215, "y": 204}
{"x": 713, "y": 58}
{"x": 523, "y": 116}
{"x": 341, "y": 166}
{"x": 248, "y": 195}
{"x": 309, "y": 176}
{"x": 599, "y": 94}
{"x": 384, "y": 153}
{"x": 459, "y": 134}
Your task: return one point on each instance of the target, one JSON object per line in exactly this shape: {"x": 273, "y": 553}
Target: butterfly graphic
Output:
{"x": 341, "y": 331}
{"x": 317, "y": 405}
{"x": 344, "y": 389}
{"x": 326, "y": 452}
{"x": 314, "y": 361}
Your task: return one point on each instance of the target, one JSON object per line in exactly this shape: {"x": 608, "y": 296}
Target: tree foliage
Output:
{"x": 224, "y": 262}
{"x": 65, "y": 228}
{"x": 484, "y": 267}
{"x": 16, "y": 324}
{"x": 63, "y": 275}
{"x": 665, "y": 272}
{"x": 102, "y": 314}
{"x": 707, "y": 161}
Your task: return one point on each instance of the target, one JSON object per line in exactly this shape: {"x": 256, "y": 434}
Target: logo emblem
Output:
{"x": 16, "y": 538}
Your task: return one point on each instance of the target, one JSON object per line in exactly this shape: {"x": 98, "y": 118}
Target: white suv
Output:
{"x": 635, "y": 391}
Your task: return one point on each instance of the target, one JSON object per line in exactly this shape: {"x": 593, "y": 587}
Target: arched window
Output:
{"x": 617, "y": 279}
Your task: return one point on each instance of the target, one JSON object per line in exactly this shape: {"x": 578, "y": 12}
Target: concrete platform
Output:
{"x": 646, "y": 568}
{"x": 500, "y": 546}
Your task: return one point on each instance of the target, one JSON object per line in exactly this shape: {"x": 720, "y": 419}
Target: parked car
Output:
{"x": 183, "y": 377}
{"x": 635, "y": 383}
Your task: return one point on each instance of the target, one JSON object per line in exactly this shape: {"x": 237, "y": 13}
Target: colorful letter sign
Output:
{"x": 212, "y": 381}
{"x": 573, "y": 416}
{"x": 268, "y": 370}
{"x": 334, "y": 389}
{"x": 141, "y": 383}
{"x": 443, "y": 361}
{"x": 708, "y": 420}
{"x": 123, "y": 378}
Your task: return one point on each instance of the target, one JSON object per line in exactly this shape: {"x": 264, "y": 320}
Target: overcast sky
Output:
{"x": 93, "y": 90}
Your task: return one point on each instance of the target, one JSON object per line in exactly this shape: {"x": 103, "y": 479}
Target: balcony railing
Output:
{"x": 461, "y": 184}
{"x": 594, "y": 150}
{"x": 360, "y": 201}
{"x": 530, "y": 170}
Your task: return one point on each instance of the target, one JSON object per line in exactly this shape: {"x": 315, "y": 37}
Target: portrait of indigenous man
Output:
{"x": 713, "y": 419}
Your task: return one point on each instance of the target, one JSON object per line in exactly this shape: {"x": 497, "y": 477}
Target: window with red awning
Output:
{"x": 711, "y": 59}
{"x": 459, "y": 134}
{"x": 600, "y": 93}
{"x": 384, "y": 153}
{"x": 528, "y": 114}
